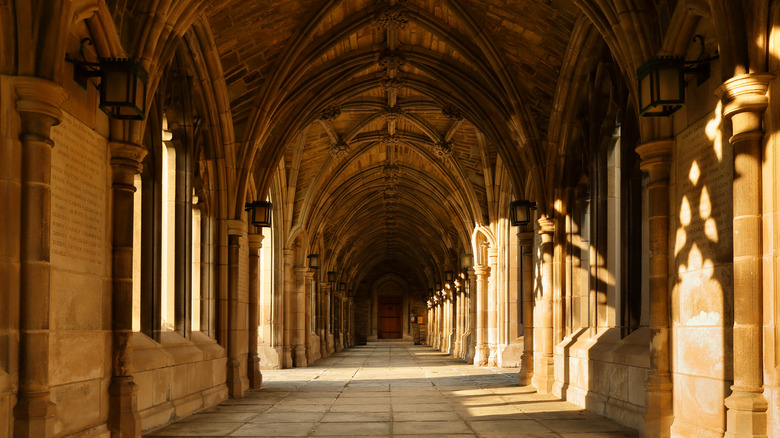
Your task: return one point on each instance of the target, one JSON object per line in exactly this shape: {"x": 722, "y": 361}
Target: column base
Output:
{"x": 300, "y": 356}
{"x": 526, "y": 369}
{"x": 746, "y": 413}
{"x": 234, "y": 384}
{"x": 481, "y": 354}
{"x": 544, "y": 375}
{"x": 255, "y": 376}
{"x": 34, "y": 415}
{"x": 324, "y": 345}
{"x": 287, "y": 358}
{"x": 659, "y": 416}
{"x": 123, "y": 417}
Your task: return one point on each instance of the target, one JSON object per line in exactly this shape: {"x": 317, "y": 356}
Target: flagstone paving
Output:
{"x": 394, "y": 390}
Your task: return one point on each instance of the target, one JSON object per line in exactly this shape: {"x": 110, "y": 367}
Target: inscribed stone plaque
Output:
{"x": 78, "y": 196}
{"x": 704, "y": 186}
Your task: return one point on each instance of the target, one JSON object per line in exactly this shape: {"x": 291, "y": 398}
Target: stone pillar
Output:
{"x": 526, "y": 241}
{"x": 656, "y": 161}
{"x": 235, "y": 381}
{"x": 309, "y": 301}
{"x": 38, "y": 103}
{"x": 255, "y": 245}
{"x": 323, "y": 321}
{"x": 492, "y": 322}
{"x": 124, "y": 419}
{"x": 745, "y": 100}
{"x": 544, "y": 369}
{"x": 329, "y": 327}
{"x": 481, "y": 350}
{"x": 299, "y": 302}
{"x": 457, "y": 296}
{"x": 289, "y": 316}
{"x": 470, "y": 338}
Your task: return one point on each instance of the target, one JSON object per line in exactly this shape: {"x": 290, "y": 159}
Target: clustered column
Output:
{"x": 481, "y": 350}
{"x": 544, "y": 369}
{"x": 526, "y": 240}
{"x": 39, "y": 102}
{"x": 255, "y": 245}
{"x": 236, "y": 332}
{"x": 745, "y": 100}
{"x": 299, "y": 301}
{"x": 656, "y": 161}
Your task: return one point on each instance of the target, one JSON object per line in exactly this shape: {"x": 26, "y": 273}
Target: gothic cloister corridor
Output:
{"x": 392, "y": 389}
{"x": 390, "y": 217}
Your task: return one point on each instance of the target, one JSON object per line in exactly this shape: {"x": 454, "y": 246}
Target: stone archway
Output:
{"x": 389, "y": 312}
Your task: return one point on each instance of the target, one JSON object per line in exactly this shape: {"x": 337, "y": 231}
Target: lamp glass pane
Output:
{"x": 669, "y": 85}
{"x": 466, "y": 260}
{"x": 645, "y": 92}
{"x": 115, "y": 85}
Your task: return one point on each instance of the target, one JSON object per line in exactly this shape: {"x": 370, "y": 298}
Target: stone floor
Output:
{"x": 394, "y": 390}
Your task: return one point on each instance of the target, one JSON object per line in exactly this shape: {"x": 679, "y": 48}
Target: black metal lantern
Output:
{"x": 520, "y": 213}
{"x": 430, "y": 292}
{"x": 661, "y": 86}
{"x": 342, "y": 287}
{"x": 122, "y": 84}
{"x": 259, "y": 213}
{"x": 331, "y": 276}
{"x": 467, "y": 261}
{"x": 449, "y": 275}
{"x": 123, "y": 89}
{"x": 437, "y": 286}
{"x": 314, "y": 261}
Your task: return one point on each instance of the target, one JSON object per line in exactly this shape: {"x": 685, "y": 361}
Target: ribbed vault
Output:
{"x": 393, "y": 120}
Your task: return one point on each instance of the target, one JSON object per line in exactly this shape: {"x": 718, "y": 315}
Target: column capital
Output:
{"x": 255, "y": 241}
{"x": 526, "y": 239}
{"x": 656, "y": 154}
{"x": 310, "y": 274}
{"x": 482, "y": 270}
{"x": 236, "y": 227}
{"x": 546, "y": 227}
{"x": 40, "y": 96}
{"x": 301, "y": 271}
{"x": 126, "y": 157}
{"x": 744, "y": 100}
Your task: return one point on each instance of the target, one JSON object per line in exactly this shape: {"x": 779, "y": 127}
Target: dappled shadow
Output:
{"x": 384, "y": 391}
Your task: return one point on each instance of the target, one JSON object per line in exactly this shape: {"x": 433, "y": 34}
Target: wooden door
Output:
{"x": 390, "y": 312}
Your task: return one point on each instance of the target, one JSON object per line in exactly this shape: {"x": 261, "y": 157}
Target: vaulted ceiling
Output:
{"x": 398, "y": 125}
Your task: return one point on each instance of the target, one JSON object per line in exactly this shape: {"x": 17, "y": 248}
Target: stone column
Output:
{"x": 255, "y": 245}
{"x": 236, "y": 339}
{"x": 308, "y": 329}
{"x": 457, "y": 296}
{"x": 124, "y": 419}
{"x": 656, "y": 161}
{"x": 492, "y": 322}
{"x": 481, "y": 350}
{"x": 544, "y": 369}
{"x": 299, "y": 302}
{"x": 38, "y": 103}
{"x": 745, "y": 100}
{"x": 289, "y": 316}
{"x": 470, "y": 339}
{"x": 323, "y": 322}
{"x": 329, "y": 327}
{"x": 526, "y": 241}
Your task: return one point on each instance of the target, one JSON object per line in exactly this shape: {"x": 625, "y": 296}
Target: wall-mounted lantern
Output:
{"x": 520, "y": 213}
{"x": 314, "y": 261}
{"x": 449, "y": 276}
{"x": 437, "y": 286}
{"x": 122, "y": 84}
{"x": 259, "y": 213}
{"x": 661, "y": 86}
{"x": 662, "y": 81}
{"x": 342, "y": 287}
{"x": 467, "y": 261}
{"x": 331, "y": 276}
